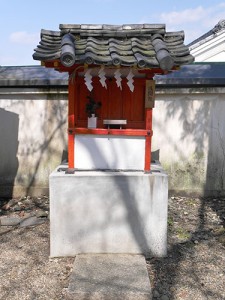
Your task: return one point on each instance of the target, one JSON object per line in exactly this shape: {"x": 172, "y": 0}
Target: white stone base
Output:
{"x": 108, "y": 212}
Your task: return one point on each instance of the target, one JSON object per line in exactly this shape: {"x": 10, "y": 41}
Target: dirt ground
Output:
{"x": 194, "y": 268}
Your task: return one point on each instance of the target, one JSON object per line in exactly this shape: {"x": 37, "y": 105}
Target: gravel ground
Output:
{"x": 194, "y": 268}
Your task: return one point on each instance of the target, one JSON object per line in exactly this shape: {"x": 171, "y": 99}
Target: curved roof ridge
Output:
{"x": 217, "y": 28}
{"x": 142, "y": 45}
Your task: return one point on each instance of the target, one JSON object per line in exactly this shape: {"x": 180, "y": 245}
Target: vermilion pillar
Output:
{"x": 149, "y": 104}
{"x": 148, "y": 140}
{"x": 71, "y": 122}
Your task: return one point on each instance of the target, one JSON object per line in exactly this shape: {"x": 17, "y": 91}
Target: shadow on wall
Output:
{"x": 9, "y": 124}
{"x": 47, "y": 151}
{"x": 215, "y": 177}
{"x": 188, "y": 143}
{"x": 42, "y": 140}
{"x": 203, "y": 126}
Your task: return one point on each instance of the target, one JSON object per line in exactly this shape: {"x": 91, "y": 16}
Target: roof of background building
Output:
{"x": 220, "y": 26}
{"x": 30, "y": 76}
{"x": 141, "y": 45}
{"x": 198, "y": 74}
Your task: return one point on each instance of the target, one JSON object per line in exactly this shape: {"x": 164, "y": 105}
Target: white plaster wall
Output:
{"x": 33, "y": 134}
{"x": 188, "y": 134}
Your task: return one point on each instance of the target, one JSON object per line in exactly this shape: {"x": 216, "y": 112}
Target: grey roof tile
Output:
{"x": 126, "y": 47}
{"x": 147, "y": 53}
{"x": 91, "y": 26}
{"x": 120, "y": 42}
{"x": 69, "y": 26}
{"x": 176, "y": 34}
{"x": 50, "y": 33}
{"x": 142, "y": 45}
{"x": 120, "y": 52}
{"x": 154, "y": 26}
{"x": 132, "y": 26}
{"x": 112, "y": 27}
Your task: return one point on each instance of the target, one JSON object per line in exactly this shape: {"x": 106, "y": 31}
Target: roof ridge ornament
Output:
{"x": 219, "y": 26}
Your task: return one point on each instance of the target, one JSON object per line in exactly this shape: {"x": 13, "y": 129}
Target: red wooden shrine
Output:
{"x": 116, "y": 52}
{"x": 135, "y": 107}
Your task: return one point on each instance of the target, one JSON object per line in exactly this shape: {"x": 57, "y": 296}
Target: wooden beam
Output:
{"x": 120, "y": 132}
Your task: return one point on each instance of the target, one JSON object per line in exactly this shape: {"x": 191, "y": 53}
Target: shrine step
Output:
{"x": 109, "y": 277}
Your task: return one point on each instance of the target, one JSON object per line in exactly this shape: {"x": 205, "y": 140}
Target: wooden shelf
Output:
{"x": 103, "y": 131}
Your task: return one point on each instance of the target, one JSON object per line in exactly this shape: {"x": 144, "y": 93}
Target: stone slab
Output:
{"x": 109, "y": 277}
{"x": 108, "y": 212}
{"x": 10, "y": 221}
{"x": 32, "y": 221}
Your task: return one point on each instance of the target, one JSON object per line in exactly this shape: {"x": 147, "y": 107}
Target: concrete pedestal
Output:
{"x": 108, "y": 212}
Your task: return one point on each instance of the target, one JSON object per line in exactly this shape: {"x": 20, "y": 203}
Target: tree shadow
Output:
{"x": 52, "y": 125}
{"x": 201, "y": 124}
{"x": 167, "y": 270}
{"x": 9, "y": 126}
{"x": 42, "y": 140}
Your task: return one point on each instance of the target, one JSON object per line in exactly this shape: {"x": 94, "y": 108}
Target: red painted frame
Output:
{"x": 72, "y": 130}
{"x": 71, "y": 123}
{"x": 148, "y": 140}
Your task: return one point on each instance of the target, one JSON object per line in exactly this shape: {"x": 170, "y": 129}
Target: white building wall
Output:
{"x": 211, "y": 49}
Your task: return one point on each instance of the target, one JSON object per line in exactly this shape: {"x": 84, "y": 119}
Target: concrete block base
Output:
{"x": 108, "y": 212}
{"x": 109, "y": 277}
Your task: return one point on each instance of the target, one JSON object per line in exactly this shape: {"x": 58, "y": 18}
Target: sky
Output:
{"x": 22, "y": 20}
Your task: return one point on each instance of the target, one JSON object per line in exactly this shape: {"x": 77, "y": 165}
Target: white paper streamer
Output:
{"x": 130, "y": 80}
{"x": 101, "y": 75}
{"x": 88, "y": 80}
{"x": 117, "y": 75}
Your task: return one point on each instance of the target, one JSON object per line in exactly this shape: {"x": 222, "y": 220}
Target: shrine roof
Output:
{"x": 137, "y": 45}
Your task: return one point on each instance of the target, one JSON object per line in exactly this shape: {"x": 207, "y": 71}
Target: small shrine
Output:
{"x": 111, "y": 88}
{"x": 110, "y": 198}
